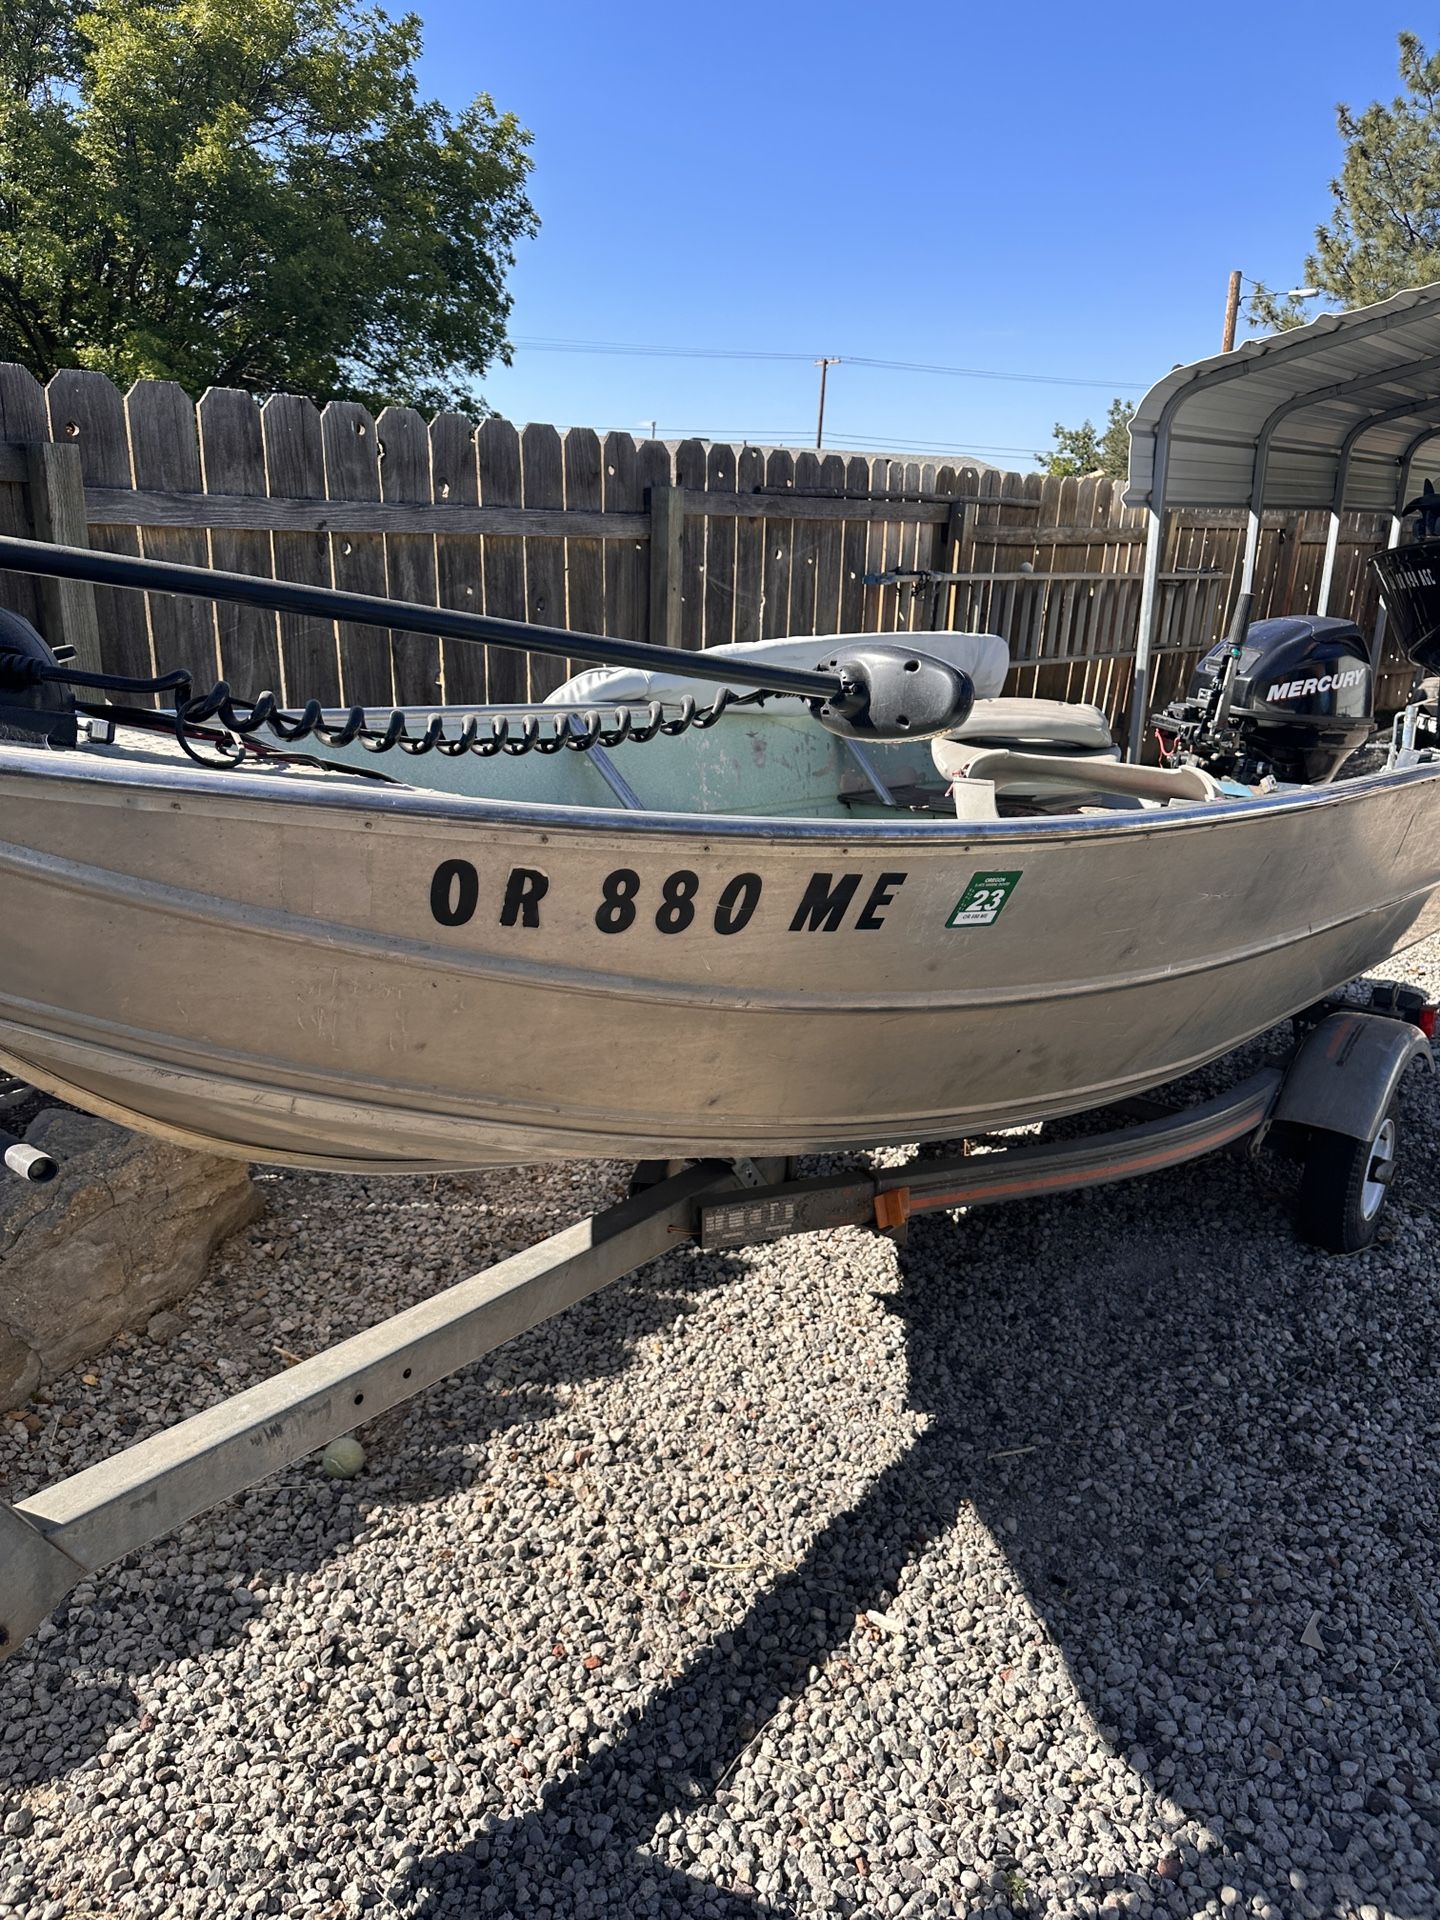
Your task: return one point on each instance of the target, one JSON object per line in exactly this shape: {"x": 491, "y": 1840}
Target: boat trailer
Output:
{"x": 1330, "y": 1103}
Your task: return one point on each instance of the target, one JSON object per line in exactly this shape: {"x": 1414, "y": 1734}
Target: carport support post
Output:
{"x": 1332, "y": 532}
{"x": 1327, "y": 571}
{"x": 1149, "y": 594}
{"x": 1254, "y": 511}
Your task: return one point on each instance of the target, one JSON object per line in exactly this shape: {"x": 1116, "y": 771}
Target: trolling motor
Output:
{"x": 878, "y": 691}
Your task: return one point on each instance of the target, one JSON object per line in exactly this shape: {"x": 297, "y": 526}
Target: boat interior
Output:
{"x": 1011, "y": 757}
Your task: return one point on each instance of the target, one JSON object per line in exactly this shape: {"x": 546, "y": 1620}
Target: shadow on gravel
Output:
{"x": 295, "y": 1522}
{"x": 1221, "y": 1443}
{"x": 1213, "y": 1436}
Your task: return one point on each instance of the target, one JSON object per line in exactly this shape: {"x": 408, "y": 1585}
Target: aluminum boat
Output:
{"x": 755, "y": 936}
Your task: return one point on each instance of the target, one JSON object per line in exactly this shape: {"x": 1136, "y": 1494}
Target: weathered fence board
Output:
{"x": 542, "y": 484}
{"x": 749, "y": 549}
{"x": 295, "y": 470}
{"x": 459, "y": 572}
{"x": 692, "y": 545}
{"x": 625, "y": 560}
{"x": 584, "y": 559}
{"x": 232, "y": 454}
{"x": 690, "y": 479}
{"x": 86, "y": 408}
{"x": 404, "y": 446}
{"x": 357, "y": 560}
{"x": 165, "y": 452}
{"x": 720, "y": 535}
{"x": 852, "y": 553}
{"x": 23, "y": 422}
{"x": 497, "y": 447}
{"x": 779, "y": 548}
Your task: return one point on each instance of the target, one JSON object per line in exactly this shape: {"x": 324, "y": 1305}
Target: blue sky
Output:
{"x": 1041, "y": 189}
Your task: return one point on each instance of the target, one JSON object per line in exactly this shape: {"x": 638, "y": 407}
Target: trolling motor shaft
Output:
{"x": 877, "y": 691}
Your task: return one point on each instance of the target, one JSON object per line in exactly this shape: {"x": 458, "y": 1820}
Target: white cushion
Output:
{"x": 1022, "y": 723}
{"x": 984, "y": 656}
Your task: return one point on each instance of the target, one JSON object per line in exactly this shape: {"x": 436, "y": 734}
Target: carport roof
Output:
{"x": 1347, "y": 397}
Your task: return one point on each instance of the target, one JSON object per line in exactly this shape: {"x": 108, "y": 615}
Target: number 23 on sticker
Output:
{"x": 983, "y": 900}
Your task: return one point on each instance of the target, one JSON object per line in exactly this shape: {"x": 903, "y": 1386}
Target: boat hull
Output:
{"x": 287, "y": 970}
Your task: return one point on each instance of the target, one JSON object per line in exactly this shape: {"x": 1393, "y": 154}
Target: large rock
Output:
{"x": 124, "y": 1230}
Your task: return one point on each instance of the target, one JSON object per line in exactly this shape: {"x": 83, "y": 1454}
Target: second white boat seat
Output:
{"x": 984, "y": 656}
{"x": 1036, "y": 726}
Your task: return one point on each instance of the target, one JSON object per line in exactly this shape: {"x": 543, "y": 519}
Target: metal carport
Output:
{"x": 1335, "y": 415}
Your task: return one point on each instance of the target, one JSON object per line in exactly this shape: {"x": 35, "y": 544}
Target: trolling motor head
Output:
{"x": 893, "y": 693}
{"x": 32, "y": 707}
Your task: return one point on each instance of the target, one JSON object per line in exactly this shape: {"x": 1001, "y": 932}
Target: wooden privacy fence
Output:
{"x": 687, "y": 545}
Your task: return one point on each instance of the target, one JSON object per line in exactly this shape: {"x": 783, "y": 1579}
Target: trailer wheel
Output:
{"x": 1344, "y": 1185}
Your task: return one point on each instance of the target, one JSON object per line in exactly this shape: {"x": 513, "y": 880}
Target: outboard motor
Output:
{"x": 1300, "y": 701}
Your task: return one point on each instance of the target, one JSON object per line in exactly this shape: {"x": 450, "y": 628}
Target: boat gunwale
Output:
{"x": 404, "y": 803}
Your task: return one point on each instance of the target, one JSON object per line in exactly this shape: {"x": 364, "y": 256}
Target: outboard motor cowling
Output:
{"x": 1302, "y": 700}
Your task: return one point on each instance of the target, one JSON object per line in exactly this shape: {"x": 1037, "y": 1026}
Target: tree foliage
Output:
{"x": 1085, "y": 449}
{"x": 249, "y": 193}
{"x": 1384, "y": 232}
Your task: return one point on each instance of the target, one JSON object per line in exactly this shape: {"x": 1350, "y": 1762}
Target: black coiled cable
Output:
{"x": 485, "y": 734}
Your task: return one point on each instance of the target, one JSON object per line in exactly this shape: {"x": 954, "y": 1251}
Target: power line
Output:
{"x": 635, "y": 351}
{"x": 861, "y": 442}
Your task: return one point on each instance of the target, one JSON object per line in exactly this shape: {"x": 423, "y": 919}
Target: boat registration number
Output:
{"x": 823, "y": 903}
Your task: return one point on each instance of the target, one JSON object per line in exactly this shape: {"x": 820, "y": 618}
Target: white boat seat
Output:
{"x": 984, "y": 656}
{"x": 1001, "y": 767}
{"x": 1038, "y": 726}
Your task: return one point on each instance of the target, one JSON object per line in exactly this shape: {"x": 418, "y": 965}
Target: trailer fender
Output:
{"x": 1345, "y": 1072}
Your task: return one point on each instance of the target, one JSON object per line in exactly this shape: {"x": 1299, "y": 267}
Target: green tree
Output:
{"x": 1084, "y": 449}
{"x": 250, "y": 193}
{"x": 1384, "y": 232}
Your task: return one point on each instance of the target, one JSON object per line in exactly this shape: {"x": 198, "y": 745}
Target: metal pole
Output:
{"x": 1232, "y": 313}
{"x": 1149, "y": 591}
{"x": 824, "y": 366}
{"x": 287, "y": 596}
{"x": 1332, "y": 532}
{"x": 57, "y": 1537}
{"x": 1254, "y": 511}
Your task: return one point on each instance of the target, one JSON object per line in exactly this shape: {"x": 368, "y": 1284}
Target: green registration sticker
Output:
{"x": 981, "y": 903}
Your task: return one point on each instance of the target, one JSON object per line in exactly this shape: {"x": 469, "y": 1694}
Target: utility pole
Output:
{"x": 824, "y": 366}
{"x": 1232, "y": 313}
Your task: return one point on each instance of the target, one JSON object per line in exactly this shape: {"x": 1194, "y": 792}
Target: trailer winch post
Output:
{"x": 59, "y": 1537}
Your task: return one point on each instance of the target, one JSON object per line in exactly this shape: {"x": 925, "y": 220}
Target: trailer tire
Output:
{"x": 1344, "y": 1184}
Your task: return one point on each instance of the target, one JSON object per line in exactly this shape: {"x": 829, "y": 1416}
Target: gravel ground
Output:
{"x": 1079, "y": 1557}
